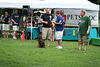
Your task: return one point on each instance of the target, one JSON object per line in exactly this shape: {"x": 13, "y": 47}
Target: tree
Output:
{"x": 95, "y": 1}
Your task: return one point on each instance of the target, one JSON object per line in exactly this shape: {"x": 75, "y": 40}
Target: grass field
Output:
{"x": 17, "y": 53}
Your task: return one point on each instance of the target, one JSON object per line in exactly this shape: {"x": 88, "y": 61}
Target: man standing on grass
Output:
{"x": 15, "y": 19}
{"x": 59, "y": 25}
{"x": 46, "y": 29}
{"x": 84, "y": 29}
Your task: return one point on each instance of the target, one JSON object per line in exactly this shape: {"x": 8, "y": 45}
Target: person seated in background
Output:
{"x": 28, "y": 22}
{"x": 35, "y": 22}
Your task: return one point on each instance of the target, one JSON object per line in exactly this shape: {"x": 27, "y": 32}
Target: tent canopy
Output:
{"x": 83, "y": 4}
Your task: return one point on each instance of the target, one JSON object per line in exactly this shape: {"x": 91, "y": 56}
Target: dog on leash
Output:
{"x": 41, "y": 43}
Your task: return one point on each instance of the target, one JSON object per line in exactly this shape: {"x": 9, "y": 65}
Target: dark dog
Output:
{"x": 41, "y": 43}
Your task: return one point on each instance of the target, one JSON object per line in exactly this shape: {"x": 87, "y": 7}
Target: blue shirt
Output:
{"x": 59, "y": 20}
{"x": 16, "y": 18}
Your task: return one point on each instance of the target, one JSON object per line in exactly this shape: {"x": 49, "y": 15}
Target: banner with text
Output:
{"x": 73, "y": 16}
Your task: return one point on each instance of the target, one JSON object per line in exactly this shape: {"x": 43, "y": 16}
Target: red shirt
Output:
{"x": 64, "y": 16}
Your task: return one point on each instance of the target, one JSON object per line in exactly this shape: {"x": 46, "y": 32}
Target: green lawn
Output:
{"x": 17, "y": 53}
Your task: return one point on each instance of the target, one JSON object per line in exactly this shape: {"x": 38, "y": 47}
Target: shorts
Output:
{"x": 16, "y": 28}
{"x": 83, "y": 39}
{"x": 46, "y": 33}
{"x": 5, "y": 27}
{"x": 40, "y": 29}
{"x": 58, "y": 35}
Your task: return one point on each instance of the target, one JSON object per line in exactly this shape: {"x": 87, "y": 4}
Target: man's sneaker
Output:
{"x": 14, "y": 38}
{"x": 60, "y": 47}
{"x": 57, "y": 46}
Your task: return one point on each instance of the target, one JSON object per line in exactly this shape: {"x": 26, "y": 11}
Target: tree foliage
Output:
{"x": 95, "y": 1}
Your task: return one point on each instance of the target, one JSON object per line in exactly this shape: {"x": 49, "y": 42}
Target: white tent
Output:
{"x": 49, "y": 4}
